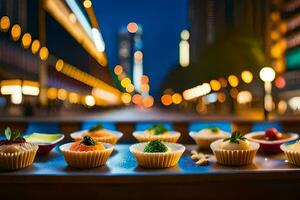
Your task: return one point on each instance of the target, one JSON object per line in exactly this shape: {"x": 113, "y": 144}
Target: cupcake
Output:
{"x": 156, "y": 132}
{"x": 234, "y": 150}
{"x": 208, "y": 135}
{"x": 98, "y": 133}
{"x": 87, "y": 153}
{"x": 15, "y": 152}
{"x": 292, "y": 152}
{"x": 157, "y": 154}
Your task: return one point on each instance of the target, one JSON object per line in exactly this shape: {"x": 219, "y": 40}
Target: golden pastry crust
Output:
{"x": 17, "y": 156}
{"x": 205, "y": 137}
{"x": 86, "y": 159}
{"x": 292, "y": 153}
{"x": 98, "y": 134}
{"x": 157, "y": 160}
{"x": 234, "y": 156}
{"x": 103, "y": 135}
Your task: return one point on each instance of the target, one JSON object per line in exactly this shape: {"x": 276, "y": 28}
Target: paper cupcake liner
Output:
{"x": 157, "y": 160}
{"x": 293, "y": 157}
{"x": 112, "y": 139}
{"x": 18, "y": 160}
{"x": 234, "y": 157}
{"x": 204, "y": 142}
{"x": 86, "y": 159}
{"x": 172, "y": 138}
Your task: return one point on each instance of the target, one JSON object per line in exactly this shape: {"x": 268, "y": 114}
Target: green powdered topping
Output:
{"x": 97, "y": 127}
{"x": 155, "y": 146}
{"x": 213, "y": 129}
{"x": 157, "y": 129}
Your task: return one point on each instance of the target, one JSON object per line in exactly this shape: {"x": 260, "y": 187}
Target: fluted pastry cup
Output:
{"x": 234, "y": 157}
{"x": 203, "y": 141}
{"x": 111, "y": 139}
{"x": 18, "y": 160}
{"x": 157, "y": 160}
{"x": 86, "y": 159}
{"x": 292, "y": 156}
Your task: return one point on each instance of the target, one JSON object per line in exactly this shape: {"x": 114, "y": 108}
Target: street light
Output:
{"x": 267, "y": 75}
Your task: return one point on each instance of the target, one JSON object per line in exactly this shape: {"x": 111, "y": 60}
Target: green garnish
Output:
{"x": 88, "y": 141}
{"x": 96, "y": 128}
{"x": 235, "y": 137}
{"x": 157, "y": 129}
{"x": 12, "y": 135}
{"x": 213, "y": 129}
{"x": 155, "y": 146}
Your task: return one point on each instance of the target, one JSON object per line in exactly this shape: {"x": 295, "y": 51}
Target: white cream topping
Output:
{"x": 209, "y": 133}
{"x": 242, "y": 145}
{"x": 294, "y": 147}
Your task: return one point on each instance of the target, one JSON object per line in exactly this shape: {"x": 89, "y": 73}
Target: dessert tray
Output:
{"x": 123, "y": 163}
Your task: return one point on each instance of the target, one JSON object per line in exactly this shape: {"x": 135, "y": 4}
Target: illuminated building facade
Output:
{"x": 285, "y": 51}
{"x": 125, "y": 50}
{"x": 57, "y": 45}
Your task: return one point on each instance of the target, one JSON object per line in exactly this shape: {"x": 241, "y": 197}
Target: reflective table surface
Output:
{"x": 122, "y": 167}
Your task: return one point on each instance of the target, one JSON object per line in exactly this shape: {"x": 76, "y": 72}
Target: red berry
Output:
{"x": 271, "y": 133}
{"x": 278, "y": 135}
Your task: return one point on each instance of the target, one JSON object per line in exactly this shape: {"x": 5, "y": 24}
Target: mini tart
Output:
{"x": 234, "y": 157}
{"x": 86, "y": 159}
{"x": 292, "y": 152}
{"x": 170, "y": 136}
{"x": 205, "y": 137}
{"x": 157, "y": 160}
{"x": 104, "y": 135}
{"x": 17, "y": 156}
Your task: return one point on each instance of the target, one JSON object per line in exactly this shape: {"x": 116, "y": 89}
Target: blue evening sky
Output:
{"x": 162, "y": 22}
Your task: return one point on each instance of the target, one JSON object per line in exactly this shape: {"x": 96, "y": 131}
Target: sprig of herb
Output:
{"x": 12, "y": 135}
{"x": 88, "y": 141}
{"x": 235, "y": 137}
{"x": 96, "y": 128}
{"x": 157, "y": 129}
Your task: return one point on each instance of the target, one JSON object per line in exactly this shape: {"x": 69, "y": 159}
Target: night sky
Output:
{"x": 162, "y": 22}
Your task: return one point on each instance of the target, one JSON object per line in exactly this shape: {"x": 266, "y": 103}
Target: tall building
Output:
{"x": 125, "y": 51}
{"x": 284, "y": 38}
{"x": 209, "y": 18}
{"x": 130, "y": 53}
